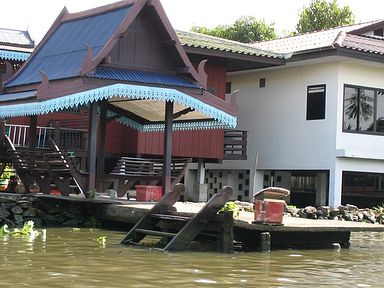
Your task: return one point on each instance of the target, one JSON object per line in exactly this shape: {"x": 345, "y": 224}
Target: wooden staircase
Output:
{"x": 191, "y": 227}
{"x": 48, "y": 168}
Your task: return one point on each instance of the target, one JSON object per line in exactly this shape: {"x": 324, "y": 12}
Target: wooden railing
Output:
{"x": 67, "y": 137}
{"x": 235, "y": 145}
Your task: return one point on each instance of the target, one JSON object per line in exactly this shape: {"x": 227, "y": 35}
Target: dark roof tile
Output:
{"x": 142, "y": 77}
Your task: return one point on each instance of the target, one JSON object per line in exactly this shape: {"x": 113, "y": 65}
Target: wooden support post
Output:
{"x": 101, "y": 146}
{"x": 32, "y": 131}
{"x": 225, "y": 239}
{"x": 167, "y": 160}
{"x": 92, "y": 146}
{"x": 56, "y": 133}
{"x": 265, "y": 242}
{"x": 2, "y": 131}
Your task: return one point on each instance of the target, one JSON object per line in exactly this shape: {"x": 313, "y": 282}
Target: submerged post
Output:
{"x": 225, "y": 239}
{"x": 167, "y": 160}
{"x": 265, "y": 242}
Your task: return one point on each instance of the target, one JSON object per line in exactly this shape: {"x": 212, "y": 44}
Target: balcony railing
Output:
{"x": 66, "y": 137}
{"x": 235, "y": 145}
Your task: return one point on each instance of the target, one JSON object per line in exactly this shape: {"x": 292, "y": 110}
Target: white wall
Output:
{"x": 275, "y": 117}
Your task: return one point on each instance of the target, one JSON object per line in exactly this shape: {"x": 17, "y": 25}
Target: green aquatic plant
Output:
{"x": 91, "y": 222}
{"x": 379, "y": 213}
{"x": 231, "y": 206}
{"x": 27, "y": 230}
{"x": 102, "y": 240}
{"x": 4, "y": 230}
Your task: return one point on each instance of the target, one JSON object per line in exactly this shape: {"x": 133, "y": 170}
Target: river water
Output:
{"x": 74, "y": 258}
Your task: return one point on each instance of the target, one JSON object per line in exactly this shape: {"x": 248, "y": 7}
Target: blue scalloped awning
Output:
{"x": 214, "y": 117}
{"x": 13, "y": 55}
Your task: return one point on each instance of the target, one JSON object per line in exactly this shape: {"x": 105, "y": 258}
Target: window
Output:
{"x": 363, "y": 110}
{"x": 316, "y": 102}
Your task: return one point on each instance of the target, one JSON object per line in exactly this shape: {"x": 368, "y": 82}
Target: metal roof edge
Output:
{"x": 258, "y": 52}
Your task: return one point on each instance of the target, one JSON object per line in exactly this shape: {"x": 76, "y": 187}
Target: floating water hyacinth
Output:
{"x": 27, "y": 230}
{"x": 4, "y": 230}
{"x": 102, "y": 240}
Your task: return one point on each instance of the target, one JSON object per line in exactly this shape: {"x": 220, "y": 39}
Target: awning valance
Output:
{"x": 13, "y": 55}
{"x": 206, "y": 116}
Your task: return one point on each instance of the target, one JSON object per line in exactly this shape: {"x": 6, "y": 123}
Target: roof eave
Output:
{"x": 362, "y": 55}
{"x": 368, "y": 28}
{"x": 234, "y": 55}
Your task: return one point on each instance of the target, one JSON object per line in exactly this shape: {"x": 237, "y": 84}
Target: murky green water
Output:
{"x": 68, "y": 258}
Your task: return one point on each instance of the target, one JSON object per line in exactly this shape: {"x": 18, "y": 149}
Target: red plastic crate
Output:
{"x": 148, "y": 193}
{"x": 269, "y": 211}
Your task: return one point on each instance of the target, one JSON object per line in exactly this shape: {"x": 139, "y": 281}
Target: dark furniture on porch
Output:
{"x": 131, "y": 170}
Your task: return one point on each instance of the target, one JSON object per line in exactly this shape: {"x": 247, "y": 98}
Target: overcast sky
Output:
{"x": 38, "y": 15}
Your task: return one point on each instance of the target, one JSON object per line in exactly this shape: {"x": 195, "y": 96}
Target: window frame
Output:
{"x": 357, "y": 131}
{"x": 323, "y": 112}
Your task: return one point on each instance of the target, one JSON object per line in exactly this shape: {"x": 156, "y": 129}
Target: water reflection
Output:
{"x": 70, "y": 258}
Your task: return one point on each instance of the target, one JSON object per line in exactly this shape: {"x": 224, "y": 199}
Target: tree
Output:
{"x": 322, "y": 14}
{"x": 246, "y": 29}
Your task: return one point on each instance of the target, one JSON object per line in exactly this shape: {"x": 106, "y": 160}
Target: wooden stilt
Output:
{"x": 32, "y": 131}
{"x": 2, "y": 131}
{"x": 101, "y": 136}
{"x": 92, "y": 146}
{"x": 167, "y": 147}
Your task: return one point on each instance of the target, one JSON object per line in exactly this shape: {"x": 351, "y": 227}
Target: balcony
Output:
{"x": 235, "y": 145}
{"x": 66, "y": 138}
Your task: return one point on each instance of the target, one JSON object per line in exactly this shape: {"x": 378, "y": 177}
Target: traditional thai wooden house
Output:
{"x": 123, "y": 63}
{"x": 114, "y": 70}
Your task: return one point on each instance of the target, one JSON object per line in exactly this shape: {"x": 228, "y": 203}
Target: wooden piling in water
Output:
{"x": 265, "y": 242}
{"x": 225, "y": 237}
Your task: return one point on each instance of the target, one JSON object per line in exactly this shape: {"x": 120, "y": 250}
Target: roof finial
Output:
{"x": 339, "y": 40}
{"x": 87, "y": 62}
{"x": 202, "y": 74}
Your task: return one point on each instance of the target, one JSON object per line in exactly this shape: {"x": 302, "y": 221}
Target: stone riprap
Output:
{"x": 16, "y": 209}
{"x": 343, "y": 213}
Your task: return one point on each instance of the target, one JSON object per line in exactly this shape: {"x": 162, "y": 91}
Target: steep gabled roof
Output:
{"x": 76, "y": 43}
{"x": 310, "y": 41}
{"x": 61, "y": 54}
{"x": 15, "y": 44}
{"x": 16, "y": 39}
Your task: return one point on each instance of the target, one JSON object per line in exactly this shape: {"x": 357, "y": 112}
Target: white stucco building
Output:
{"x": 315, "y": 125}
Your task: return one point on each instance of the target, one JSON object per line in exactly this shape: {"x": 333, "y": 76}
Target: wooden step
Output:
{"x": 170, "y": 217}
{"x": 155, "y": 233}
